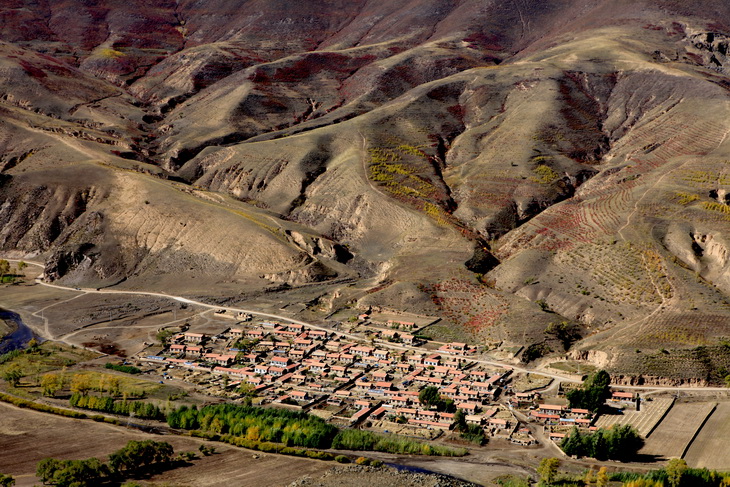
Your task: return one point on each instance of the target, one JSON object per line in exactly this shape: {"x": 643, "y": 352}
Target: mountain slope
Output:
{"x": 505, "y": 165}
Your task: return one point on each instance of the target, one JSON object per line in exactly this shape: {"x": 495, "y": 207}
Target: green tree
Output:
{"x": 575, "y": 444}
{"x": 589, "y": 477}
{"x": 139, "y": 454}
{"x": 13, "y": 374}
{"x": 564, "y": 331}
{"x": 21, "y": 266}
{"x": 6, "y": 480}
{"x": 113, "y": 386}
{"x": 429, "y": 396}
{"x": 602, "y": 477}
{"x": 593, "y": 393}
{"x": 548, "y": 469}
{"x": 4, "y": 268}
{"x": 459, "y": 423}
{"x": 644, "y": 483}
{"x": 50, "y": 383}
{"x": 81, "y": 384}
{"x": 676, "y": 468}
{"x": 71, "y": 473}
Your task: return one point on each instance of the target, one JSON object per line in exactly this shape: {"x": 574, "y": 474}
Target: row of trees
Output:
{"x": 361, "y": 440}
{"x": 84, "y": 383}
{"x": 293, "y": 428}
{"x": 676, "y": 474}
{"x": 135, "y": 457}
{"x": 615, "y": 443}
{"x": 140, "y": 409}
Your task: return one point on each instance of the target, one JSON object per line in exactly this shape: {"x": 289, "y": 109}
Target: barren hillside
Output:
{"x": 503, "y": 165}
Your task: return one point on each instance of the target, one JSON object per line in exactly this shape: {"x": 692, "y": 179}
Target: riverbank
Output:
{"x": 6, "y": 327}
{"x": 17, "y": 335}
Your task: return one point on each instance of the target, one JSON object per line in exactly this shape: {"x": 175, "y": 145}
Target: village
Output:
{"x": 372, "y": 382}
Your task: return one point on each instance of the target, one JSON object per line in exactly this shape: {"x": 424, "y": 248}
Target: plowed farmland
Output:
{"x": 644, "y": 421}
{"x": 674, "y": 433}
{"x": 28, "y": 436}
{"x": 710, "y": 448}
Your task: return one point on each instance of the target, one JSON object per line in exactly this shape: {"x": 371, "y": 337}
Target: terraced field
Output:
{"x": 644, "y": 421}
{"x": 710, "y": 448}
{"x": 672, "y": 436}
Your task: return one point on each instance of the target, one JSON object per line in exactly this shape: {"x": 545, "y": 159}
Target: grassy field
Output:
{"x": 710, "y": 448}
{"x": 574, "y": 367}
{"x": 644, "y": 421}
{"x": 50, "y": 356}
{"x": 677, "y": 429}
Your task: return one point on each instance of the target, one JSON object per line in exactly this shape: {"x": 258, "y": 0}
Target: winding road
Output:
{"x": 381, "y": 343}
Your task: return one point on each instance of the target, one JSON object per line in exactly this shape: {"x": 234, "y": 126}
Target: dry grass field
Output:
{"x": 28, "y": 436}
{"x": 672, "y": 436}
{"x": 710, "y": 448}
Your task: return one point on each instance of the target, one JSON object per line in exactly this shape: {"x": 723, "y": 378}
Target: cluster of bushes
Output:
{"x": 134, "y": 457}
{"x": 430, "y": 397}
{"x": 138, "y": 455}
{"x": 675, "y": 474}
{"x": 292, "y": 428}
{"x": 127, "y": 369}
{"x": 107, "y": 404}
{"x": 68, "y": 473}
{"x": 475, "y": 434}
{"x": 593, "y": 394}
{"x": 6, "y": 357}
{"x": 368, "y": 462}
{"x": 24, "y": 403}
{"x": 366, "y": 440}
{"x": 470, "y": 432}
{"x": 266, "y": 446}
{"x": 615, "y": 443}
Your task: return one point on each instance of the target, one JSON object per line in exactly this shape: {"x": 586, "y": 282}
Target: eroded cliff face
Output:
{"x": 500, "y": 164}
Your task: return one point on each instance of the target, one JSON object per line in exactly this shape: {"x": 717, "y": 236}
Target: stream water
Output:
{"x": 17, "y": 339}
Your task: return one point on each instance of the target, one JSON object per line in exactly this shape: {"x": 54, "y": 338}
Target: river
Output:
{"x": 17, "y": 339}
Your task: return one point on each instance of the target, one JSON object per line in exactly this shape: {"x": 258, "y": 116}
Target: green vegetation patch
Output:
{"x": 615, "y": 443}
{"x": 44, "y": 408}
{"x": 675, "y": 474}
{"x": 109, "y": 53}
{"x": 292, "y": 428}
{"x": 127, "y": 369}
{"x": 573, "y": 367}
{"x": 716, "y": 207}
{"x": 545, "y": 174}
{"x": 593, "y": 394}
{"x": 685, "y": 198}
{"x": 360, "y": 440}
{"x": 108, "y": 404}
{"x": 135, "y": 457}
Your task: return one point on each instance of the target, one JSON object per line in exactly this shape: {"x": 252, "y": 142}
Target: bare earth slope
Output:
{"x": 502, "y": 164}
